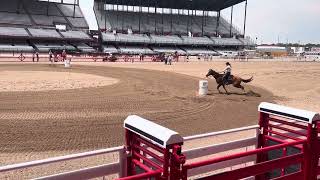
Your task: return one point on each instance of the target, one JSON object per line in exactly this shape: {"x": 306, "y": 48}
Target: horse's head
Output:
{"x": 211, "y": 73}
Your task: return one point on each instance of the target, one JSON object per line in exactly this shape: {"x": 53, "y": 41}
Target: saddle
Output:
{"x": 229, "y": 80}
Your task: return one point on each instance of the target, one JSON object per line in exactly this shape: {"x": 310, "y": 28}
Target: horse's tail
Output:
{"x": 247, "y": 80}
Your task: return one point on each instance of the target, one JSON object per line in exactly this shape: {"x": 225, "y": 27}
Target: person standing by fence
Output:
{"x": 22, "y": 57}
{"x": 50, "y": 56}
{"x": 64, "y": 55}
{"x": 37, "y": 54}
{"x": 33, "y": 56}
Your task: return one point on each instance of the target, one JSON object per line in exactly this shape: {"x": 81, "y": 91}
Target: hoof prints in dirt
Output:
{"x": 253, "y": 94}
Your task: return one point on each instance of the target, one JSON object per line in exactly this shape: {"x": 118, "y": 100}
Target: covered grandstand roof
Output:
{"x": 207, "y": 5}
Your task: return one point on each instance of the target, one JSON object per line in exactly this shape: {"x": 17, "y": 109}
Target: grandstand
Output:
{"x": 34, "y": 25}
{"x": 193, "y": 28}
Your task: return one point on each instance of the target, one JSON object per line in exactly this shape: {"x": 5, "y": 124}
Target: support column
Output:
{"x": 245, "y": 19}
{"x": 171, "y": 21}
{"x": 140, "y": 11}
{"x": 118, "y": 14}
{"x": 105, "y": 15}
{"x": 188, "y": 22}
{"x": 74, "y": 8}
{"x": 48, "y": 7}
{"x": 231, "y": 21}
{"x": 218, "y": 23}
{"x": 155, "y": 16}
{"x": 202, "y": 24}
{"x": 162, "y": 20}
{"x": 311, "y": 154}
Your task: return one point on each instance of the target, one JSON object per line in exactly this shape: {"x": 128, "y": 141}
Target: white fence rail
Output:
{"x": 119, "y": 167}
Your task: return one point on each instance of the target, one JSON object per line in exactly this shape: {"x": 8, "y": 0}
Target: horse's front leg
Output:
{"x": 218, "y": 88}
{"x": 225, "y": 89}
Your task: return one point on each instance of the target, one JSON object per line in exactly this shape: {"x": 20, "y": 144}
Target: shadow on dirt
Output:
{"x": 249, "y": 93}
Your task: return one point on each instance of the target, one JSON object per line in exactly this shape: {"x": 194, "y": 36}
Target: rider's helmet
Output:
{"x": 228, "y": 64}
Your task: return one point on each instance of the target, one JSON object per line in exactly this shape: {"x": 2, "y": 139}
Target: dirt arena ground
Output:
{"x": 91, "y": 118}
{"x": 36, "y": 124}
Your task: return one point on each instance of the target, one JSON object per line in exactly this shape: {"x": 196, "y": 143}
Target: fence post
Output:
{"x": 311, "y": 154}
{"x": 123, "y": 163}
{"x": 263, "y": 125}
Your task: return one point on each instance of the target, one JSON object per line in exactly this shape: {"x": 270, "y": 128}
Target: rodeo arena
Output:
{"x": 144, "y": 96}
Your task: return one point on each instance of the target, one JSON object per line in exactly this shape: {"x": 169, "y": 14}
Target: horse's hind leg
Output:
{"x": 239, "y": 86}
{"x": 225, "y": 88}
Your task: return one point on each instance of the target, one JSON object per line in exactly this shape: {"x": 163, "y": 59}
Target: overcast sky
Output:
{"x": 268, "y": 20}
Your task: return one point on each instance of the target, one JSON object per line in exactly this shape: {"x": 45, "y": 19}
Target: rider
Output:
{"x": 227, "y": 73}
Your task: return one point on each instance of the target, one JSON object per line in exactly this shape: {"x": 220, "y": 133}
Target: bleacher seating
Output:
{"x": 157, "y": 39}
{"x": 14, "y": 19}
{"x": 227, "y": 41}
{"x": 110, "y": 49}
{"x": 46, "y": 47}
{"x": 13, "y": 32}
{"x": 68, "y": 10}
{"x": 165, "y": 30}
{"x": 200, "y": 51}
{"x": 41, "y": 14}
{"x": 158, "y": 23}
{"x": 22, "y": 20}
{"x": 168, "y": 50}
{"x": 15, "y": 48}
{"x": 135, "y": 50}
{"x": 79, "y": 23}
{"x": 85, "y": 48}
{"x": 35, "y": 7}
{"x": 48, "y": 21}
{"x": 44, "y": 33}
{"x": 14, "y": 6}
{"x": 134, "y": 38}
{"x": 78, "y": 35}
{"x": 197, "y": 40}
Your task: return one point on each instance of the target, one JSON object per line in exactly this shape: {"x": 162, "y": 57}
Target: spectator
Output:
{"x": 170, "y": 58}
{"x": 37, "y": 54}
{"x": 165, "y": 59}
{"x": 33, "y": 56}
{"x": 22, "y": 57}
{"x": 176, "y": 56}
{"x": 141, "y": 57}
{"x": 50, "y": 56}
{"x": 55, "y": 56}
{"x": 64, "y": 55}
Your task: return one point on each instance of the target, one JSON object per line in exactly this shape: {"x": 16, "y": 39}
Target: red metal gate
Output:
{"x": 152, "y": 149}
{"x": 289, "y": 128}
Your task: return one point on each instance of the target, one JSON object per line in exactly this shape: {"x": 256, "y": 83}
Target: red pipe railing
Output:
{"x": 281, "y": 141}
{"x": 157, "y": 148}
{"x": 260, "y": 168}
{"x": 282, "y": 134}
{"x": 149, "y": 153}
{"x": 292, "y": 159}
{"x": 150, "y": 162}
{"x": 288, "y": 130}
{"x": 242, "y": 154}
{"x": 288, "y": 123}
{"x": 142, "y": 166}
{"x": 155, "y": 174}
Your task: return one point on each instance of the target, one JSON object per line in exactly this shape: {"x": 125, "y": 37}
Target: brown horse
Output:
{"x": 234, "y": 80}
